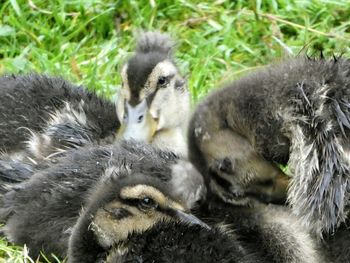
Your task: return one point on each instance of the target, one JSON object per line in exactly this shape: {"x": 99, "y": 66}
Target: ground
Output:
{"x": 86, "y": 41}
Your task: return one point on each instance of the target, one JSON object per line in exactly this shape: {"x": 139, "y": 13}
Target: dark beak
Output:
{"x": 190, "y": 219}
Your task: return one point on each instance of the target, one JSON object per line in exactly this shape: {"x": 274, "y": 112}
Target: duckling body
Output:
{"x": 271, "y": 231}
{"x": 179, "y": 242}
{"x": 43, "y": 113}
{"x": 295, "y": 112}
{"x": 101, "y": 232}
{"x": 41, "y": 211}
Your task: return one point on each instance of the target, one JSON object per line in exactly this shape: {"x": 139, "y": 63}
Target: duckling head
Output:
{"x": 153, "y": 103}
{"x": 132, "y": 200}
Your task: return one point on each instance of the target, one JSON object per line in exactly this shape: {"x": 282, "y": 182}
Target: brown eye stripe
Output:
{"x": 135, "y": 193}
{"x": 118, "y": 213}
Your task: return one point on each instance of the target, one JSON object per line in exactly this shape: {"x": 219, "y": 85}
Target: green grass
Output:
{"x": 87, "y": 41}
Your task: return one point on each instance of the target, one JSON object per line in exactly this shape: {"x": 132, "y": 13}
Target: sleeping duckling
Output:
{"x": 136, "y": 217}
{"x": 296, "y": 112}
{"x": 41, "y": 211}
{"x": 242, "y": 235}
{"x": 154, "y": 102}
{"x": 44, "y": 115}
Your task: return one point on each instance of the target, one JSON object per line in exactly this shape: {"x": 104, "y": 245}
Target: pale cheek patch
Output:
{"x": 109, "y": 231}
{"x": 162, "y": 69}
{"x": 123, "y": 94}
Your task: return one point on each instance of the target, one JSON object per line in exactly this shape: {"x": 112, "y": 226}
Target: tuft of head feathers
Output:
{"x": 154, "y": 42}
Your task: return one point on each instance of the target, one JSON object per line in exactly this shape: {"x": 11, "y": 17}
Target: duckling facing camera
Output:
{"x": 295, "y": 112}
{"x": 137, "y": 185}
{"x": 154, "y": 102}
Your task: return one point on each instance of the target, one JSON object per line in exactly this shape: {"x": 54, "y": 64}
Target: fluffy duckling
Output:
{"x": 240, "y": 235}
{"x": 45, "y": 115}
{"x": 138, "y": 184}
{"x": 133, "y": 217}
{"x": 65, "y": 114}
{"x": 295, "y": 112}
{"x": 154, "y": 102}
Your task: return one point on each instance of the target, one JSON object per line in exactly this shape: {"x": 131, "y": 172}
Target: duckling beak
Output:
{"x": 138, "y": 123}
{"x": 190, "y": 219}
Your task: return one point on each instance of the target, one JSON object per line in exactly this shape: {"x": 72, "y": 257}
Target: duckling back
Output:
{"x": 41, "y": 113}
{"x": 179, "y": 242}
{"x": 272, "y": 232}
{"x": 295, "y": 112}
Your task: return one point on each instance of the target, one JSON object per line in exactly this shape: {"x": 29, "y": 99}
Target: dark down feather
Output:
{"x": 178, "y": 242}
{"x": 272, "y": 232}
{"x": 27, "y": 104}
{"x": 154, "y": 42}
{"x": 338, "y": 244}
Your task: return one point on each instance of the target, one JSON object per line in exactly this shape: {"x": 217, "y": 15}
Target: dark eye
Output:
{"x": 147, "y": 204}
{"x": 162, "y": 81}
{"x": 140, "y": 118}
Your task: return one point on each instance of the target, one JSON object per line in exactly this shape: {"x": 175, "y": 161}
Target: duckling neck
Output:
{"x": 172, "y": 139}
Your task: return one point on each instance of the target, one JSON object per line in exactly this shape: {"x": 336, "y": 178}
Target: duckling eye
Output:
{"x": 140, "y": 118}
{"x": 147, "y": 204}
{"x": 162, "y": 81}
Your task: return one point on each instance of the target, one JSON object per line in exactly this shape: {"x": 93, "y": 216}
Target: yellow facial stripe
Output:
{"x": 153, "y": 124}
{"x": 121, "y": 131}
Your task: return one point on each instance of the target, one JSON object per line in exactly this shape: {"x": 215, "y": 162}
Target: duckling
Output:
{"x": 131, "y": 176}
{"x": 240, "y": 235}
{"x": 49, "y": 115}
{"x": 295, "y": 112}
{"x": 153, "y": 103}
{"x": 128, "y": 220}
{"x": 45, "y": 114}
